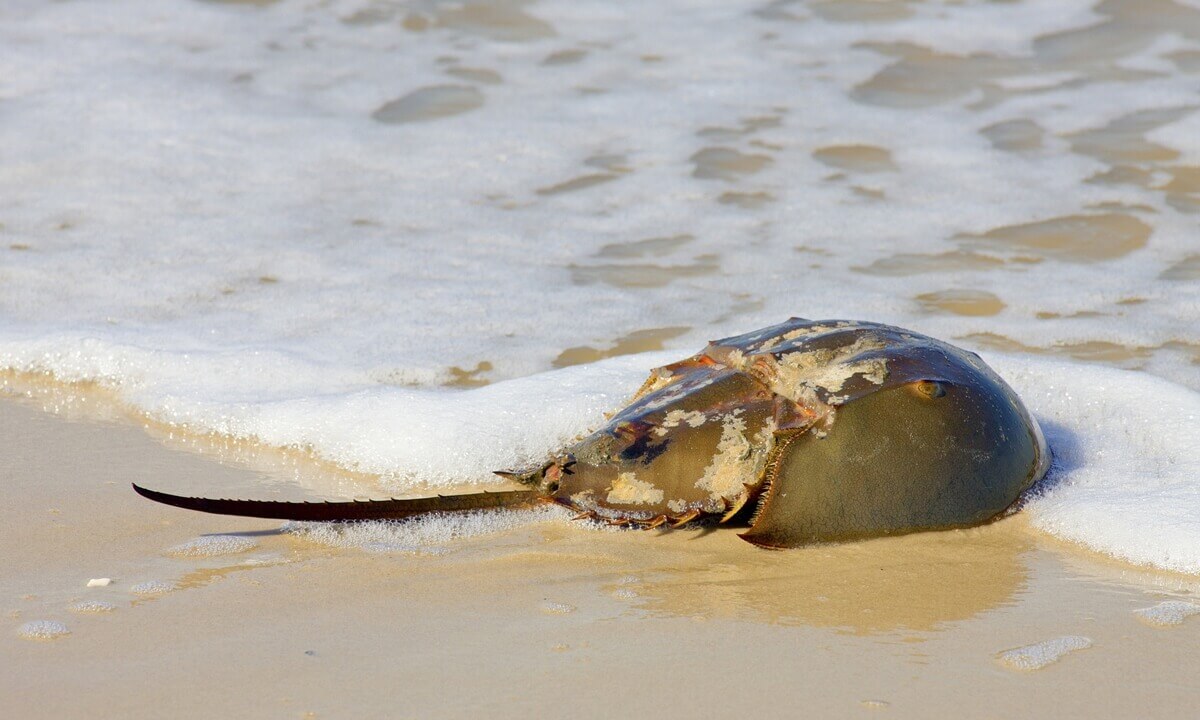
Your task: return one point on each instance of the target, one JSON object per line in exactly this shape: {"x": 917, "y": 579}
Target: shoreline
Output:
{"x": 288, "y": 473}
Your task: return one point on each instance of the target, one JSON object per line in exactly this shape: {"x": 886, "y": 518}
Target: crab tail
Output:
{"x": 349, "y": 511}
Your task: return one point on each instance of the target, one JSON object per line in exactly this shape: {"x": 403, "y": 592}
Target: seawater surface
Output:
{"x": 425, "y": 240}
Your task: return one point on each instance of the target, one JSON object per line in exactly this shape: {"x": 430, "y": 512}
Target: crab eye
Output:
{"x": 929, "y": 389}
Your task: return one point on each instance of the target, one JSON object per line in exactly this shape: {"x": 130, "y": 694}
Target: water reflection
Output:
{"x": 914, "y": 583}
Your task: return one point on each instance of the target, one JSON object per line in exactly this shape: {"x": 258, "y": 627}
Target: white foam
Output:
{"x": 43, "y": 630}
{"x": 419, "y": 533}
{"x": 1125, "y": 461}
{"x": 213, "y": 545}
{"x": 553, "y": 607}
{"x": 1167, "y": 613}
{"x": 267, "y": 559}
{"x": 92, "y": 607}
{"x": 152, "y": 587}
{"x": 1039, "y": 655}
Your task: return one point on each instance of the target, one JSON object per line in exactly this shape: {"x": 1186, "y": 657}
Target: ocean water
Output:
{"x": 425, "y": 240}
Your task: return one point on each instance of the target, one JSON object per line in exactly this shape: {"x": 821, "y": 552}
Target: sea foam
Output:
{"x": 212, "y": 546}
{"x": 423, "y": 534}
{"x": 43, "y": 630}
{"x": 1047, "y": 652}
{"x": 1124, "y": 480}
{"x": 1167, "y": 613}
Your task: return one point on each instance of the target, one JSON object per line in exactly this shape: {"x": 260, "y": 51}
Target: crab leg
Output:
{"x": 651, "y": 524}
{"x": 685, "y": 518}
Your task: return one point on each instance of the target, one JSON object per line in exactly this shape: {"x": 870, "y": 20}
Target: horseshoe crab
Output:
{"x": 806, "y": 431}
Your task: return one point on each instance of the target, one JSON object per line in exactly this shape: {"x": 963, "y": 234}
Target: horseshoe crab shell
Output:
{"x": 808, "y": 431}
{"x": 821, "y": 431}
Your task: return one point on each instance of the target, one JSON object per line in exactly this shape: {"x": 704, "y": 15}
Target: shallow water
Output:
{"x": 320, "y": 225}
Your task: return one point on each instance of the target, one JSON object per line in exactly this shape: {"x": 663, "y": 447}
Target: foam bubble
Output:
{"x": 267, "y": 559}
{"x": 213, "y": 545}
{"x": 152, "y": 587}
{"x": 43, "y": 630}
{"x": 395, "y": 548}
{"x": 1039, "y": 655}
{"x": 1167, "y": 613}
{"x": 552, "y": 607}
{"x": 418, "y": 533}
{"x": 92, "y": 607}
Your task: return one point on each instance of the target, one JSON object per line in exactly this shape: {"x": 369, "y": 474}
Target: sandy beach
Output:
{"x": 551, "y": 619}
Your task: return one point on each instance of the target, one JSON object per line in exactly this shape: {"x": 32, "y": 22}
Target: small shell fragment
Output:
{"x": 99, "y": 582}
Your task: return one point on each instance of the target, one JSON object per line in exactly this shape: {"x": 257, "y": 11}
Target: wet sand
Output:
{"x": 547, "y": 619}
